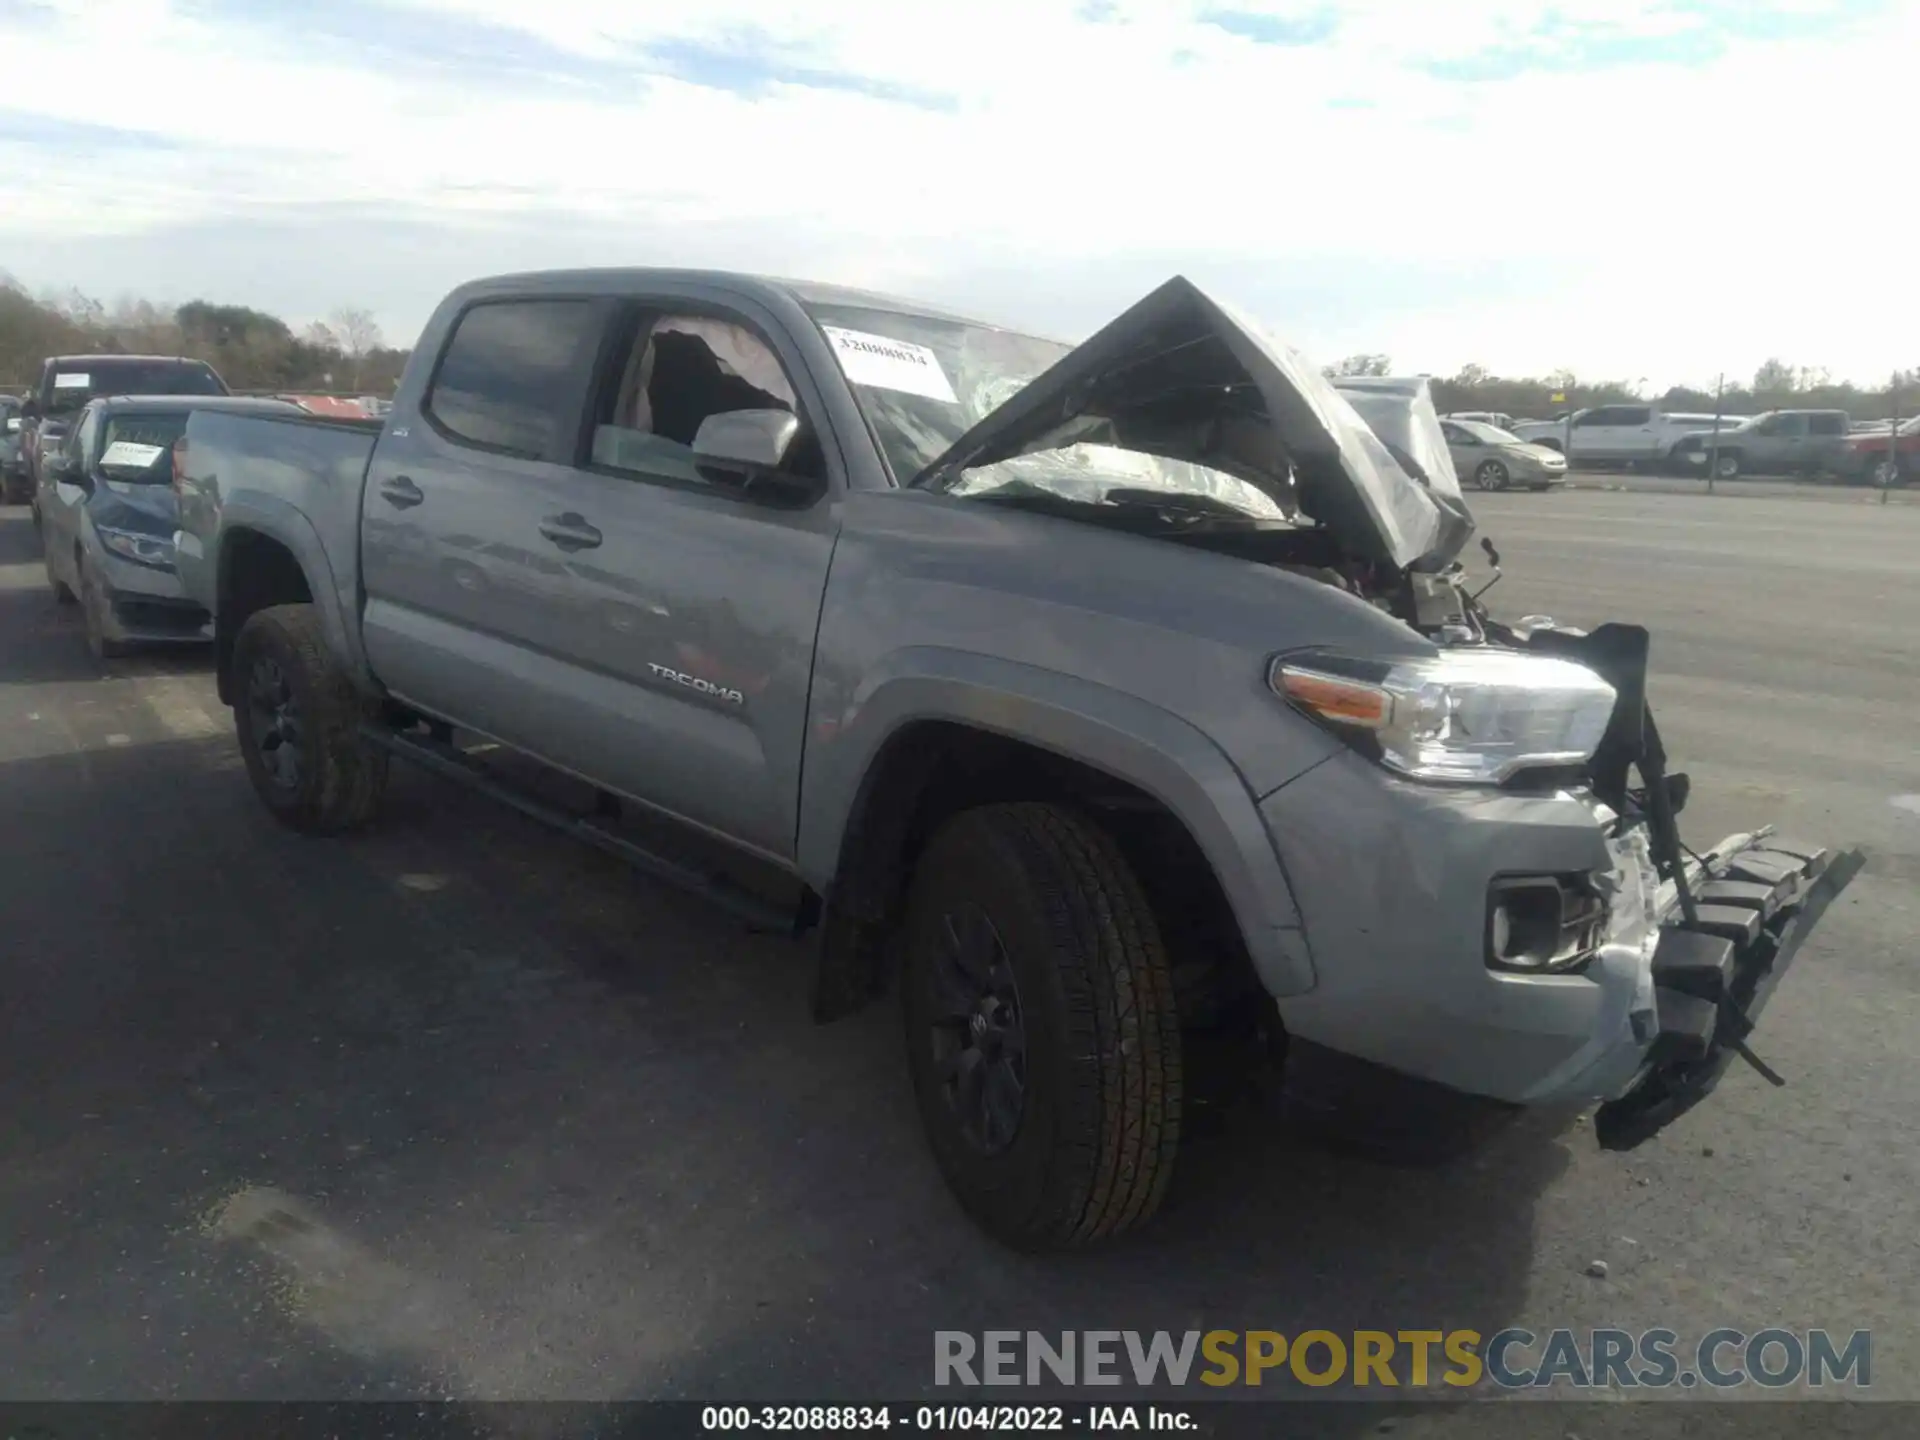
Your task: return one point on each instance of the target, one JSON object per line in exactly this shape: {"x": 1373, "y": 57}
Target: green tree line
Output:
{"x": 1775, "y": 386}
{"x": 345, "y": 354}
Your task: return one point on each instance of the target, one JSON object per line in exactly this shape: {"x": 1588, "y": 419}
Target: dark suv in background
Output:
{"x": 13, "y": 465}
{"x": 68, "y": 382}
{"x": 1777, "y": 442}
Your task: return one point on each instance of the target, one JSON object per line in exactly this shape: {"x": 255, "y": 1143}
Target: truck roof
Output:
{"x": 245, "y": 403}
{"x": 108, "y": 359}
{"x": 762, "y": 287}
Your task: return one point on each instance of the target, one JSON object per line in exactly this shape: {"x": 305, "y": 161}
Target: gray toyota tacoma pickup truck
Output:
{"x": 1105, "y": 700}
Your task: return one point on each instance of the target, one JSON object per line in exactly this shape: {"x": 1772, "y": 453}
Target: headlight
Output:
{"x": 1475, "y": 715}
{"x": 141, "y": 549}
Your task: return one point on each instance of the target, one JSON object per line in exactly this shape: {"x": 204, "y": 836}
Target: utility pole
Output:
{"x": 1893, "y": 437}
{"x": 1713, "y": 440}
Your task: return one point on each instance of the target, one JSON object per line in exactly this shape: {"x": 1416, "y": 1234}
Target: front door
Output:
{"x": 63, "y": 498}
{"x": 698, "y": 608}
{"x": 467, "y": 525}
{"x": 1594, "y": 435}
{"x": 1786, "y": 444}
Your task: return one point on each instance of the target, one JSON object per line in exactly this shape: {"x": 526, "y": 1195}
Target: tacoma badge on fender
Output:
{"x": 694, "y": 682}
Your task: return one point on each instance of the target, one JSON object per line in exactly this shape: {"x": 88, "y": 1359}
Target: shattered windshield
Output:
{"x": 923, "y": 382}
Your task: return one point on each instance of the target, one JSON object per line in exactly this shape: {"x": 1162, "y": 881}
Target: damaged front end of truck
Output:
{"x": 1700, "y": 938}
{"x": 1725, "y": 924}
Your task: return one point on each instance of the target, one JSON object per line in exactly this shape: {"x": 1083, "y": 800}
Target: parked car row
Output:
{"x": 1778, "y": 442}
{"x": 107, "y": 513}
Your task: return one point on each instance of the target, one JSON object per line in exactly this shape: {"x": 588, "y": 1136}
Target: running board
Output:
{"x": 446, "y": 759}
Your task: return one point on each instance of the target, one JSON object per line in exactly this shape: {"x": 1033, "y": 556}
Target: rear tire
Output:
{"x": 297, "y": 717}
{"x": 1043, "y": 1036}
{"x": 1887, "y": 474}
{"x": 1726, "y": 465}
{"x": 1492, "y": 475}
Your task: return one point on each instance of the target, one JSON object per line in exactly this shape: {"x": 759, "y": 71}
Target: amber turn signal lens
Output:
{"x": 1346, "y": 701}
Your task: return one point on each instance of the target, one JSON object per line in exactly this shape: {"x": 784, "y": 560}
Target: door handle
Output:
{"x": 400, "y": 492}
{"x": 570, "y": 532}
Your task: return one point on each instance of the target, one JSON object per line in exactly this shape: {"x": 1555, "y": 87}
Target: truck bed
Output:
{"x": 243, "y": 467}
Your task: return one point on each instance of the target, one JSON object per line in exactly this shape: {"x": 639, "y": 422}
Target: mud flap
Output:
{"x": 1713, "y": 976}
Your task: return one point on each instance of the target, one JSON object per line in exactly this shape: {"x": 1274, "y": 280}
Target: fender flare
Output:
{"x": 1119, "y": 734}
{"x": 274, "y": 519}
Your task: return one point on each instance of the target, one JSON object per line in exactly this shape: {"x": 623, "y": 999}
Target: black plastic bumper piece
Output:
{"x": 1763, "y": 900}
{"x": 1734, "y": 923}
{"x": 1683, "y": 1065}
{"x": 1686, "y": 1027}
{"x": 1692, "y": 962}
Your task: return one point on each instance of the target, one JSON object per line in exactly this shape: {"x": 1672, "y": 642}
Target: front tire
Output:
{"x": 93, "y": 614}
{"x": 298, "y": 719}
{"x": 1043, "y": 1036}
{"x": 1492, "y": 475}
{"x": 61, "y": 594}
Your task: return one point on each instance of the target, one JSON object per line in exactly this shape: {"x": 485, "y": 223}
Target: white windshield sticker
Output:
{"x": 890, "y": 364}
{"x": 131, "y": 454}
{"x": 73, "y": 380}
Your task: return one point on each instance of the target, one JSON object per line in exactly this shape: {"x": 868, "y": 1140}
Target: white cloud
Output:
{"x": 1637, "y": 219}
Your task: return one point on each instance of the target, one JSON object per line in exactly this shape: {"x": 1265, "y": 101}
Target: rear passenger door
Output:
{"x": 699, "y": 605}
{"x": 1786, "y": 446}
{"x": 469, "y": 513}
{"x": 1636, "y": 433}
{"x": 1826, "y": 441}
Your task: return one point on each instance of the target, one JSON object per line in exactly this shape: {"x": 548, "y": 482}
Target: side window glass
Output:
{"x": 1602, "y": 416}
{"x": 1827, "y": 425}
{"x": 80, "y": 446}
{"x": 679, "y": 373}
{"x": 1632, "y": 416}
{"x": 1790, "y": 425}
{"x": 505, "y": 381}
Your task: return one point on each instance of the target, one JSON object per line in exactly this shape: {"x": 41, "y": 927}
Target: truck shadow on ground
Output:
{"x": 551, "y": 1131}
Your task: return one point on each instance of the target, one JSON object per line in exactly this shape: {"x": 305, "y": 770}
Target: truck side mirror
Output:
{"x": 745, "y": 450}
{"x": 747, "y": 437}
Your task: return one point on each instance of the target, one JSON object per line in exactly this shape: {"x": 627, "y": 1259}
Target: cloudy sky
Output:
{"x": 1629, "y": 188}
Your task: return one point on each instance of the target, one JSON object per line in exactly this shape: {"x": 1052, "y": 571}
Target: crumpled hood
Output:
{"x": 1183, "y": 376}
{"x": 1402, "y": 413}
{"x": 142, "y": 509}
